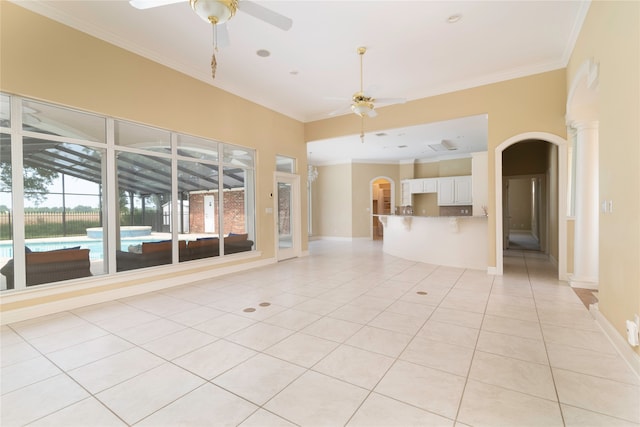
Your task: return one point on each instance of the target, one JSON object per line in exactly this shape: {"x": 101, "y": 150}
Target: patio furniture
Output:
{"x": 51, "y": 266}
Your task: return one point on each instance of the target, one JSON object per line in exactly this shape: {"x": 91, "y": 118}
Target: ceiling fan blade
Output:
{"x": 341, "y": 110}
{"x": 266, "y": 15}
{"x": 390, "y": 100}
{"x": 371, "y": 113}
{"x": 148, "y": 4}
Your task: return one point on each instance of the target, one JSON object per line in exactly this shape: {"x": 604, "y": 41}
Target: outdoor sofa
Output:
{"x": 149, "y": 254}
{"x": 51, "y": 266}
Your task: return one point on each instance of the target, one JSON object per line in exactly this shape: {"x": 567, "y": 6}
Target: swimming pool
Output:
{"x": 94, "y": 245}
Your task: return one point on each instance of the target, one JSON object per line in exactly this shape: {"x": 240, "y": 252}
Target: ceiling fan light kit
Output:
{"x": 215, "y": 11}
{"x": 362, "y": 104}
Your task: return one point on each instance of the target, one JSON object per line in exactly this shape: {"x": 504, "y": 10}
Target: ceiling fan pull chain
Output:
{"x": 214, "y": 65}
{"x": 362, "y": 129}
{"x": 214, "y": 62}
{"x": 215, "y": 37}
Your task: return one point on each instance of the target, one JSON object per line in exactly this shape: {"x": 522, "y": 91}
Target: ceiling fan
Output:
{"x": 361, "y": 103}
{"x": 218, "y": 12}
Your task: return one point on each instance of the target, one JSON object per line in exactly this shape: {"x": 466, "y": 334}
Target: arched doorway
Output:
{"x": 561, "y": 185}
{"x": 382, "y": 203}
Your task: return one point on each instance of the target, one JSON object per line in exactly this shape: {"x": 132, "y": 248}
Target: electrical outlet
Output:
{"x": 632, "y": 331}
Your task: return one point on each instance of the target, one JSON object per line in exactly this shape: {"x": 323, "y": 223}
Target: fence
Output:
{"x": 59, "y": 224}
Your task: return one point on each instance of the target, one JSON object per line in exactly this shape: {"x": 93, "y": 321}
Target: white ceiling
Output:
{"x": 412, "y": 51}
{"x": 464, "y": 135}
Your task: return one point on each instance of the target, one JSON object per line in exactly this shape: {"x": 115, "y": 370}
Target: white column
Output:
{"x": 585, "y": 250}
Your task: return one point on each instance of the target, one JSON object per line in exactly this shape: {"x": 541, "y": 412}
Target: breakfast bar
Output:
{"x": 455, "y": 241}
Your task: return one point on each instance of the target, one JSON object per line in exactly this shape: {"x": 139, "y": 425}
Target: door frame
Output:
{"x": 393, "y": 199}
{"x": 296, "y": 238}
{"x": 561, "y": 143}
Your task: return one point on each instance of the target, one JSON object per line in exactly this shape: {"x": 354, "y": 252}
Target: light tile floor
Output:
{"x": 345, "y": 336}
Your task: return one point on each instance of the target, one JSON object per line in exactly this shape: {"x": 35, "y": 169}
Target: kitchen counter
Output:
{"x": 456, "y": 241}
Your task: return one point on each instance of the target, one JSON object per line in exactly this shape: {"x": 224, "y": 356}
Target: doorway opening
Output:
{"x": 381, "y": 204}
{"x": 287, "y": 202}
{"x": 530, "y": 155}
{"x": 524, "y": 212}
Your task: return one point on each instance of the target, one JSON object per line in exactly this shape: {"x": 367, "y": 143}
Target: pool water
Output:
{"x": 95, "y": 246}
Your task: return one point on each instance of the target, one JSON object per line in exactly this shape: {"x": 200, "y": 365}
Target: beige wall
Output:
{"x": 46, "y": 60}
{"x": 332, "y": 205}
{"x": 406, "y": 170}
{"x": 611, "y": 36}
{"x": 426, "y": 170}
{"x": 455, "y": 167}
{"x": 529, "y": 104}
{"x": 520, "y": 204}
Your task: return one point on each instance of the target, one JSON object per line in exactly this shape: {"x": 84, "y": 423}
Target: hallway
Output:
{"x": 345, "y": 336}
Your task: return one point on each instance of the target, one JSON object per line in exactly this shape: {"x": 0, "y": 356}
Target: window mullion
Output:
{"x": 17, "y": 194}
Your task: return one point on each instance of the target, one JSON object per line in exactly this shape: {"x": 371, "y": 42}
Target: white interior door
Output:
{"x": 209, "y": 215}
{"x": 287, "y": 200}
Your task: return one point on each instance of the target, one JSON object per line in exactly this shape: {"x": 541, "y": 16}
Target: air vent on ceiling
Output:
{"x": 444, "y": 145}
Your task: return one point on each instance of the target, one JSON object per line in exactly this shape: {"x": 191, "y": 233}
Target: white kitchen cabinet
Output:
{"x": 423, "y": 185}
{"x": 455, "y": 190}
{"x": 405, "y": 192}
{"x": 430, "y": 185}
{"x": 462, "y": 190}
{"x": 415, "y": 185}
{"x": 446, "y": 192}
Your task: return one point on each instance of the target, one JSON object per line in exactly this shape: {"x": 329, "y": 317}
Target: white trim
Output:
{"x": 340, "y": 238}
{"x": 583, "y": 282}
{"x": 630, "y": 357}
{"x": 575, "y": 31}
{"x": 147, "y": 284}
{"x": 17, "y": 193}
{"x": 492, "y": 271}
{"x": 562, "y": 198}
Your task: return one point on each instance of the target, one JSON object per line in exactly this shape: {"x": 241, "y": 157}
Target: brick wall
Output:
{"x": 234, "y": 214}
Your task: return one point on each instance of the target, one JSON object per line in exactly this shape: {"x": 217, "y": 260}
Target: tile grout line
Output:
{"x": 544, "y": 342}
{"x": 473, "y": 355}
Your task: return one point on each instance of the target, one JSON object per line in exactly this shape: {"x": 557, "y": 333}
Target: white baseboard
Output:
{"x": 624, "y": 349}
{"x": 492, "y": 271}
{"x": 589, "y": 283}
{"x": 335, "y": 238}
{"x": 140, "y": 283}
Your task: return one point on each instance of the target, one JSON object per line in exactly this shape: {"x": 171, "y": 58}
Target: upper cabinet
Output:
{"x": 423, "y": 185}
{"x": 405, "y": 192}
{"x": 455, "y": 190}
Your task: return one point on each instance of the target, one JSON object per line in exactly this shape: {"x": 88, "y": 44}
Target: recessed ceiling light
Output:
{"x": 294, "y": 72}
{"x": 402, "y": 146}
{"x": 263, "y": 53}
{"x": 454, "y": 18}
